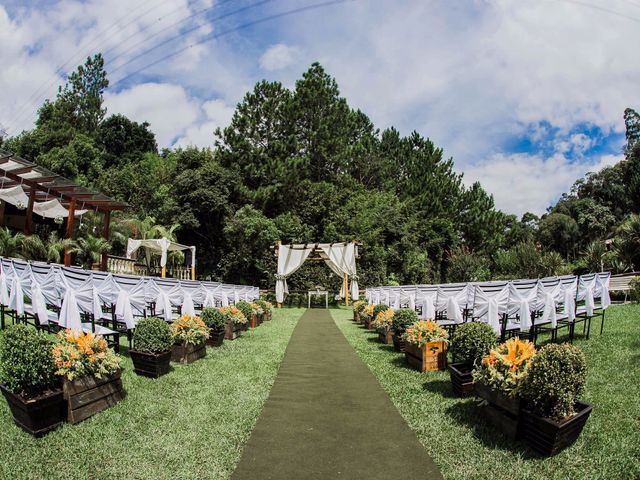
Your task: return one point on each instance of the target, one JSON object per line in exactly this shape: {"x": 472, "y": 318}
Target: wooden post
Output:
{"x": 164, "y": 271}
{"x": 277, "y": 251}
{"x": 193, "y": 272}
{"x": 70, "y": 218}
{"x": 2, "y": 206}
{"x": 106, "y": 220}
{"x": 29, "y": 216}
{"x": 346, "y": 289}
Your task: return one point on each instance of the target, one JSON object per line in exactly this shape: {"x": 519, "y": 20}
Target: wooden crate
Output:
{"x": 149, "y": 364}
{"x": 385, "y": 336}
{"x": 188, "y": 353}
{"x": 232, "y": 331}
{"x": 39, "y": 415}
{"x": 87, "y": 396}
{"x": 430, "y": 357}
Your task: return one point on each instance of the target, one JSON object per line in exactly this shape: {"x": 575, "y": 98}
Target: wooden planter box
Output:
{"x": 232, "y": 331}
{"x": 385, "y": 336}
{"x": 398, "y": 343}
{"x": 87, "y": 396}
{"x": 188, "y": 353}
{"x": 152, "y": 365}
{"x": 503, "y": 412}
{"x": 38, "y": 415}
{"x": 356, "y": 316}
{"x": 547, "y": 436}
{"x": 428, "y": 358}
{"x": 267, "y": 316}
{"x": 461, "y": 379}
{"x": 216, "y": 338}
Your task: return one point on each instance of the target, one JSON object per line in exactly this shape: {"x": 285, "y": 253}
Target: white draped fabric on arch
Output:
{"x": 339, "y": 257}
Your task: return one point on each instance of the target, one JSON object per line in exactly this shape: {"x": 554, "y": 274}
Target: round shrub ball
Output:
{"x": 556, "y": 378}
{"x": 360, "y": 306}
{"x": 381, "y": 307}
{"x": 27, "y": 367}
{"x": 213, "y": 318}
{"x": 152, "y": 335}
{"x": 471, "y": 341}
{"x": 403, "y": 318}
{"x": 245, "y": 308}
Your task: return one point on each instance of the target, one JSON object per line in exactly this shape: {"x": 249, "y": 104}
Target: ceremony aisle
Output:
{"x": 328, "y": 417}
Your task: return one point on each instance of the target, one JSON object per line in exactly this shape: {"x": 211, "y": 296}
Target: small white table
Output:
{"x": 317, "y": 293}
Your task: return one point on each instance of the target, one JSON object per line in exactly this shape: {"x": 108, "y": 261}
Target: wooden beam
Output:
{"x": 29, "y": 216}
{"x": 106, "y": 220}
{"x": 2, "y": 205}
{"x": 70, "y": 218}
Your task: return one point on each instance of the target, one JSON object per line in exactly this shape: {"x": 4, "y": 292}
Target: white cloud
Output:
{"x": 278, "y": 56}
{"x": 529, "y": 183}
{"x": 217, "y": 114}
{"x": 168, "y": 108}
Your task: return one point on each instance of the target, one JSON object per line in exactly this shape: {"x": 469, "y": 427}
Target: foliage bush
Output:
{"x": 403, "y": 318}
{"x": 26, "y": 361}
{"x": 213, "y": 318}
{"x": 264, "y": 305}
{"x": 424, "y": 331}
{"x": 634, "y": 289}
{"x": 506, "y": 366}
{"x": 384, "y": 320}
{"x": 381, "y": 307}
{"x": 359, "y": 305}
{"x": 257, "y": 309}
{"x": 245, "y": 308}
{"x": 555, "y": 379}
{"x": 152, "y": 335}
{"x": 367, "y": 311}
{"x": 84, "y": 354}
{"x": 471, "y": 341}
{"x": 189, "y": 330}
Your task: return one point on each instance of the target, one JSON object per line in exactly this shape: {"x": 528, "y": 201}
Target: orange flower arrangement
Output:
{"x": 384, "y": 319}
{"x": 425, "y": 331}
{"x": 505, "y": 367}
{"x": 234, "y": 314}
{"x": 189, "y": 329}
{"x": 77, "y": 355}
{"x": 368, "y": 310}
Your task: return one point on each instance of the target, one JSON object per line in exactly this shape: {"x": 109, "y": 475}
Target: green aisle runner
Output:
{"x": 328, "y": 417}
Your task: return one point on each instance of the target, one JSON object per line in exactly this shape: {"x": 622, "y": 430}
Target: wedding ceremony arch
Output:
{"x": 339, "y": 256}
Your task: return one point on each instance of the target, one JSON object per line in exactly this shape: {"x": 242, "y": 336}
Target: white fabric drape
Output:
{"x": 159, "y": 246}
{"x": 14, "y": 196}
{"x": 53, "y": 209}
{"x": 521, "y": 301}
{"x": 489, "y": 306}
{"x": 341, "y": 258}
{"x": 289, "y": 260}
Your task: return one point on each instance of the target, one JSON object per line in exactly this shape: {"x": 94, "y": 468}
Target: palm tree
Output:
{"x": 56, "y": 247}
{"x": 10, "y": 244}
{"x": 33, "y": 248}
{"x": 594, "y": 256}
{"x": 89, "y": 249}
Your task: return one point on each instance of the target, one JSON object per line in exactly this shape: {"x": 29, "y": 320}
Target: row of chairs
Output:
{"x": 522, "y": 308}
{"x": 52, "y": 297}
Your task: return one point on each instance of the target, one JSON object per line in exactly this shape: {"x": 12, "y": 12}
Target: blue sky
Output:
{"x": 526, "y": 95}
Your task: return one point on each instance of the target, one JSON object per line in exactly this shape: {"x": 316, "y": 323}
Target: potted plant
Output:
{"x": 247, "y": 311}
{"x": 402, "y": 319}
{"x": 216, "y": 321}
{"x": 425, "y": 344}
{"x": 383, "y": 324}
{"x": 470, "y": 342}
{"x": 552, "y": 417}
{"x": 266, "y": 309}
{"x": 367, "y": 312}
{"x": 234, "y": 322}
{"x": 256, "y": 315}
{"x": 498, "y": 379}
{"x": 190, "y": 335}
{"x": 152, "y": 346}
{"x": 358, "y": 306}
{"x": 377, "y": 309}
{"x": 28, "y": 381}
{"x": 90, "y": 374}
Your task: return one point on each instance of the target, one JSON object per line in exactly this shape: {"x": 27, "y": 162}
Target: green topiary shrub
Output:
{"x": 26, "y": 362}
{"x": 471, "y": 341}
{"x": 403, "y": 318}
{"x": 245, "y": 308}
{"x": 555, "y": 379}
{"x": 152, "y": 335}
{"x": 213, "y": 318}
{"x": 634, "y": 289}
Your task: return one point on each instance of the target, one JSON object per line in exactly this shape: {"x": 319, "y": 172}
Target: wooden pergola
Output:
{"x": 42, "y": 185}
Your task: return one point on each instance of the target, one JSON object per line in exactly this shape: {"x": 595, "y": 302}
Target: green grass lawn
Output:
{"x": 465, "y": 447}
{"x": 191, "y": 423}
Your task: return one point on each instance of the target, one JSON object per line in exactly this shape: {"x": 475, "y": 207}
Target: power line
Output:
{"x": 602, "y": 9}
{"x": 44, "y": 87}
{"x": 155, "y": 47}
{"x": 244, "y": 26}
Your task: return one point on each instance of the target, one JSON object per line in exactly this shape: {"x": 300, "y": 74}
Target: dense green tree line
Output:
{"x": 300, "y": 165}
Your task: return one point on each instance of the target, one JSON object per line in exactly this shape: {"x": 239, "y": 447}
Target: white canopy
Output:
{"x": 49, "y": 209}
{"x": 159, "y": 246}
{"x": 340, "y": 257}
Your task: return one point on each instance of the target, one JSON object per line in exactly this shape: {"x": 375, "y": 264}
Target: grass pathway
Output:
{"x": 189, "y": 424}
{"x": 327, "y": 417}
{"x": 464, "y": 447}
